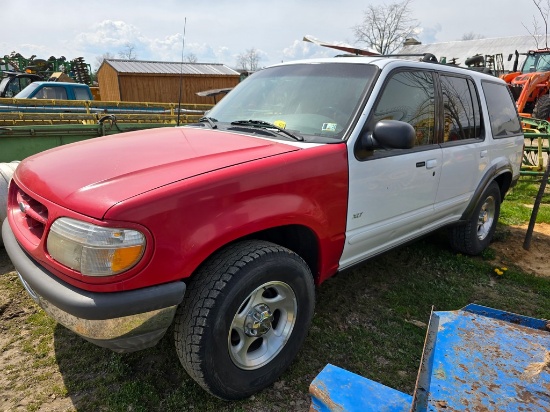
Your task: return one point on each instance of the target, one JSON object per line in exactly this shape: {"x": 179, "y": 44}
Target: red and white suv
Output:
{"x": 224, "y": 227}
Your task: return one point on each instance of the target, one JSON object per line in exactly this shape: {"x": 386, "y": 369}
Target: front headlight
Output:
{"x": 94, "y": 250}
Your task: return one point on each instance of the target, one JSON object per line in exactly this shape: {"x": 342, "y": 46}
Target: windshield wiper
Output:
{"x": 210, "y": 121}
{"x": 266, "y": 125}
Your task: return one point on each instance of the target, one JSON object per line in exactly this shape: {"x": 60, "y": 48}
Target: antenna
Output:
{"x": 181, "y": 69}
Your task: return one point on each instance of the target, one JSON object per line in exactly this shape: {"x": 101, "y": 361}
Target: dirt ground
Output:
{"x": 510, "y": 252}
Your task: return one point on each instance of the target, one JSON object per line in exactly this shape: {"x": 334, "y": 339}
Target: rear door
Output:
{"x": 465, "y": 154}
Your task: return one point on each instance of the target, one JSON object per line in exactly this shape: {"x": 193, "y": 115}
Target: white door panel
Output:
{"x": 390, "y": 200}
{"x": 463, "y": 167}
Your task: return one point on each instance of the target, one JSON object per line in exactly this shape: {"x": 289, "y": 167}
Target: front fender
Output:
{"x": 193, "y": 218}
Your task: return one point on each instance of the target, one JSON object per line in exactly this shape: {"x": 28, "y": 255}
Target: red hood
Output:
{"x": 93, "y": 175}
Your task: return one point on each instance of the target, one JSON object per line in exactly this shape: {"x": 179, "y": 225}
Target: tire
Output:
{"x": 476, "y": 235}
{"x": 245, "y": 315}
{"x": 542, "y": 108}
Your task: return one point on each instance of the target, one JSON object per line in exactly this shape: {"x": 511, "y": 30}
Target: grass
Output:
{"x": 517, "y": 208}
{"x": 368, "y": 321}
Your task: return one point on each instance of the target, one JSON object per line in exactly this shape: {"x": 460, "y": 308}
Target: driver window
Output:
{"x": 13, "y": 88}
{"x": 409, "y": 97}
{"x": 51, "y": 93}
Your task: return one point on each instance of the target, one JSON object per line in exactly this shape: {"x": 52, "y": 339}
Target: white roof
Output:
{"x": 463, "y": 49}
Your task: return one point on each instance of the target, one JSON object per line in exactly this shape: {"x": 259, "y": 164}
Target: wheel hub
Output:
{"x": 483, "y": 217}
{"x": 258, "y": 321}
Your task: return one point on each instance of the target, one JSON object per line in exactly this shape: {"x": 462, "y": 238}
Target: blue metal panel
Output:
{"x": 336, "y": 389}
{"x": 497, "y": 363}
{"x": 475, "y": 359}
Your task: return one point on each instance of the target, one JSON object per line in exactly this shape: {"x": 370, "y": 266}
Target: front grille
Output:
{"x": 33, "y": 217}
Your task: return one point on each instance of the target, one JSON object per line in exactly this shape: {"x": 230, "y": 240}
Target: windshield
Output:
{"x": 23, "y": 94}
{"x": 317, "y": 99}
{"x": 536, "y": 63}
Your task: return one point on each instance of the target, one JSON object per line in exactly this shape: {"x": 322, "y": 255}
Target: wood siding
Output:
{"x": 107, "y": 78}
{"x": 162, "y": 88}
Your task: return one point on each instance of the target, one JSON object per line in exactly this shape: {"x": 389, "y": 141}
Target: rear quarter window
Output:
{"x": 81, "y": 93}
{"x": 502, "y": 110}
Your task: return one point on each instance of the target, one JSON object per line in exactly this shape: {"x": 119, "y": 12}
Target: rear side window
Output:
{"x": 502, "y": 111}
{"x": 462, "y": 119}
{"x": 81, "y": 93}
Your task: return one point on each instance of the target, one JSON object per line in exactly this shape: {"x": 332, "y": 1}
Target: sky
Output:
{"x": 217, "y": 31}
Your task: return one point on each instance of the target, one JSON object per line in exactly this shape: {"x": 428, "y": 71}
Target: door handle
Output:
{"x": 483, "y": 153}
{"x": 430, "y": 164}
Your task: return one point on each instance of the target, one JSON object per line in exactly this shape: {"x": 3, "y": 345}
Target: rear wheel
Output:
{"x": 244, "y": 318}
{"x": 476, "y": 235}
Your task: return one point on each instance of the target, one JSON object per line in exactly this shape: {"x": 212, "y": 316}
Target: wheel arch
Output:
{"x": 501, "y": 173}
{"x": 300, "y": 239}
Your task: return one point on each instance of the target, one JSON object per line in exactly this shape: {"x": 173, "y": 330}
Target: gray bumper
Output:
{"x": 121, "y": 321}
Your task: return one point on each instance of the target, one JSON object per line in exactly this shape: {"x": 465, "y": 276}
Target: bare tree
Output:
{"x": 535, "y": 29}
{"x": 249, "y": 60}
{"x": 385, "y": 27}
{"x": 128, "y": 52}
{"x": 472, "y": 36}
{"x": 190, "y": 58}
{"x": 99, "y": 59}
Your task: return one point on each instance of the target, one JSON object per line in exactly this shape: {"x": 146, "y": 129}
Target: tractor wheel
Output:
{"x": 542, "y": 107}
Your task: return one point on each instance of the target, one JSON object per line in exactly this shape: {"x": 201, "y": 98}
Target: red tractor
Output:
{"x": 530, "y": 86}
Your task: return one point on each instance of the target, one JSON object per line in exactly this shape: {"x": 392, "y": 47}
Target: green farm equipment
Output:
{"x": 537, "y": 146}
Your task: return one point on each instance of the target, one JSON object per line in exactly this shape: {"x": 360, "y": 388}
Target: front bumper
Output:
{"x": 121, "y": 321}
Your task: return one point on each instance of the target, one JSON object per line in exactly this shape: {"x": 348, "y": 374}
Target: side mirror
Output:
{"x": 389, "y": 134}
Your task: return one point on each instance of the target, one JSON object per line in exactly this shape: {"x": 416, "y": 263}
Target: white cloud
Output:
{"x": 166, "y": 49}
{"x": 303, "y": 50}
{"x": 429, "y": 34}
{"x": 109, "y": 33}
{"x": 111, "y": 36}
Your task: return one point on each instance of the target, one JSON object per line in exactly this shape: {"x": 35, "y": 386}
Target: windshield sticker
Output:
{"x": 280, "y": 123}
{"x": 329, "y": 127}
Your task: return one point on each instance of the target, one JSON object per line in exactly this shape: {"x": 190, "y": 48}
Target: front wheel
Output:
{"x": 474, "y": 236}
{"x": 542, "y": 107}
{"x": 245, "y": 315}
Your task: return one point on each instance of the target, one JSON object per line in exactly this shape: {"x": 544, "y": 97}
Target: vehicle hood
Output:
{"x": 525, "y": 77}
{"x": 92, "y": 175}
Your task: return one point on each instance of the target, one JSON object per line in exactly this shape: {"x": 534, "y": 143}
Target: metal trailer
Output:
{"x": 474, "y": 359}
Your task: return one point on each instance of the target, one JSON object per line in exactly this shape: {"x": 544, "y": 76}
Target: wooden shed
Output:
{"x": 150, "y": 81}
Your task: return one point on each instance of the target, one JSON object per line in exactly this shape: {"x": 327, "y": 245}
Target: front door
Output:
{"x": 392, "y": 191}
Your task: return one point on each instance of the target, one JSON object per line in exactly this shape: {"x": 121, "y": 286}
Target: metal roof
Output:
{"x": 152, "y": 67}
{"x": 463, "y": 49}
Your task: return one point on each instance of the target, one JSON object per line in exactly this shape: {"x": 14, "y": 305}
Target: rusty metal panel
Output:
{"x": 474, "y": 359}
{"x": 480, "y": 358}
